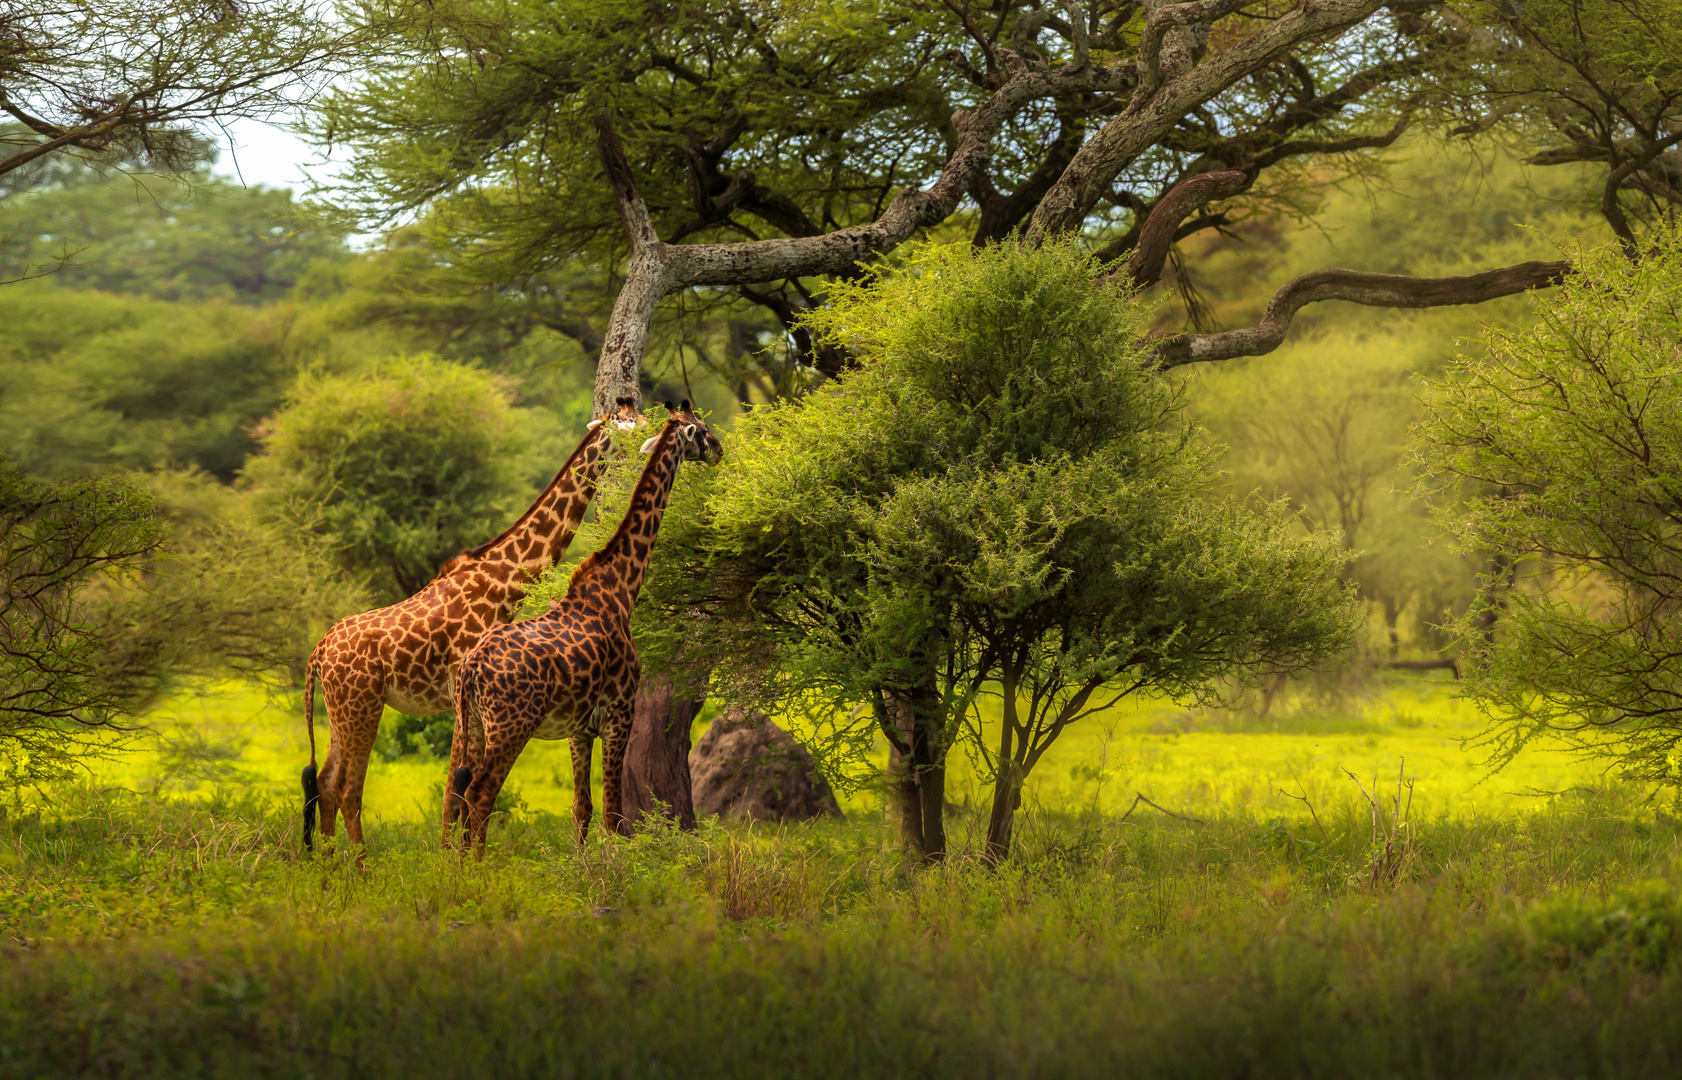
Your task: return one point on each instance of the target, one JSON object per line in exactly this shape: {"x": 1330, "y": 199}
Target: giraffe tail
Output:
{"x": 312, "y": 793}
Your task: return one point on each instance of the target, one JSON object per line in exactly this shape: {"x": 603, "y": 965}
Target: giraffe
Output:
{"x": 404, "y": 655}
{"x": 572, "y": 672}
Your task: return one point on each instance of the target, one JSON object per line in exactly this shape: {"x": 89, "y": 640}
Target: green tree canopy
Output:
{"x": 403, "y": 465}
{"x": 1567, "y": 440}
{"x": 90, "y": 380}
{"x": 1003, "y": 495}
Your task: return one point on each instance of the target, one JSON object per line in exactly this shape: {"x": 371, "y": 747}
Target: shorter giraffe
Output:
{"x": 571, "y": 673}
{"x": 403, "y": 655}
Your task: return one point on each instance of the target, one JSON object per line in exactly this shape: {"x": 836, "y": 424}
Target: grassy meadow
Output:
{"x": 158, "y": 918}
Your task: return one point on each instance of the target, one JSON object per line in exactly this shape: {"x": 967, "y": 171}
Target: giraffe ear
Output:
{"x": 648, "y": 447}
{"x": 594, "y": 424}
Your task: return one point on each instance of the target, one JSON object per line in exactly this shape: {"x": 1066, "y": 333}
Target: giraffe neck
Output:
{"x": 545, "y": 531}
{"x": 615, "y": 573}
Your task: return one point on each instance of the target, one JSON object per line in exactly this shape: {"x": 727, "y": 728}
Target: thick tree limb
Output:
{"x": 1358, "y": 287}
{"x": 1147, "y": 118}
{"x": 1162, "y": 226}
{"x": 658, "y": 269}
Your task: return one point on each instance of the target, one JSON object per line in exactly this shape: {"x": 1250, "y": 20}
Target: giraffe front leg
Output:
{"x": 581, "y": 809}
{"x": 616, "y": 735}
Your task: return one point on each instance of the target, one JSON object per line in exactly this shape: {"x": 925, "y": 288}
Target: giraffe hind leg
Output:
{"x": 327, "y": 797}
{"x": 616, "y": 735}
{"x": 582, "y": 811}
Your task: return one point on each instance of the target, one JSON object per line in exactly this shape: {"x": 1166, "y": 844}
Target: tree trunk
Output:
{"x": 931, "y": 790}
{"x": 1007, "y": 797}
{"x": 656, "y": 774}
{"x": 903, "y": 793}
{"x": 917, "y": 786}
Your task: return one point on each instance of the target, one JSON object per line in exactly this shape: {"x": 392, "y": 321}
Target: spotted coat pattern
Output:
{"x": 404, "y": 655}
{"x": 571, "y": 673}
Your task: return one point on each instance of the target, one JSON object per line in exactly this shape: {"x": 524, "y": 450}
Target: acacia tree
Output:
{"x": 55, "y": 540}
{"x": 827, "y": 136}
{"x": 1573, "y": 81}
{"x": 137, "y": 81}
{"x": 1001, "y": 494}
{"x": 1569, "y": 435}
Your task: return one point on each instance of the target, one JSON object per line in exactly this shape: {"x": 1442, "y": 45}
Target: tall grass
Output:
{"x": 148, "y": 936}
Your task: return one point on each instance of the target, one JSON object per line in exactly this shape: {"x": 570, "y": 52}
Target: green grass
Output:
{"x": 1201, "y": 765}
{"x": 160, "y": 920}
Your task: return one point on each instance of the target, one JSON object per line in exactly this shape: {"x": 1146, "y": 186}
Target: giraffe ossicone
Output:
{"x": 572, "y": 672}
{"x": 405, "y": 655}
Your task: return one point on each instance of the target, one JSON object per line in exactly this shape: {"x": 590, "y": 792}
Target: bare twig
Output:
{"x": 1139, "y": 797}
{"x": 1303, "y": 798}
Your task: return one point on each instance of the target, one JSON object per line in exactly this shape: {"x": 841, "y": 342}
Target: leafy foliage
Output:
{"x": 89, "y": 380}
{"x": 1568, "y": 437}
{"x": 134, "y": 80}
{"x": 402, "y": 465}
{"x": 1596, "y": 81}
{"x": 1002, "y": 493}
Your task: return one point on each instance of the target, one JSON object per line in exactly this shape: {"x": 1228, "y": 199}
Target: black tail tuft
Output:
{"x": 459, "y": 782}
{"x": 312, "y": 795}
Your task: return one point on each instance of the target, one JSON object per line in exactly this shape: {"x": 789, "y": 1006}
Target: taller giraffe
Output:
{"x": 404, "y": 655}
{"x": 571, "y": 673}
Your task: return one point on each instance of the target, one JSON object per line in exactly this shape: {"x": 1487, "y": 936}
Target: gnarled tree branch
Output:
{"x": 1162, "y": 226}
{"x": 1357, "y": 287}
{"x": 1121, "y": 140}
{"x": 658, "y": 269}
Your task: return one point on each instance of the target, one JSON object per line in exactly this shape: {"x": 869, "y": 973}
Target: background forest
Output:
{"x": 1405, "y": 801}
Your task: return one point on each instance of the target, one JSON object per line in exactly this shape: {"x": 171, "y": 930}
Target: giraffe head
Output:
{"x": 625, "y": 416}
{"x": 696, "y": 441}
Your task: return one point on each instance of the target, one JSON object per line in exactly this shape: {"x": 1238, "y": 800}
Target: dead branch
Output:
{"x": 1139, "y": 797}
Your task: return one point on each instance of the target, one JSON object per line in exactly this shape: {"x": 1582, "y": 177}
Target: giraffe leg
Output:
{"x": 354, "y": 744}
{"x": 581, "y": 809}
{"x": 355, "y": 701}
{"x": 327, "y": 802}
{"x": 616, "y": 735}
{"x": 488, "y": 778}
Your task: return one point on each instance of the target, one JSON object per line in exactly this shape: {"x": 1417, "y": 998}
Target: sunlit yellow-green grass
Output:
{"x": 1498, "y": 934}
{"x": 244, "y": 735}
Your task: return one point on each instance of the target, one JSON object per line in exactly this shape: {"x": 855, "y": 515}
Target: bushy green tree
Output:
{"x": 227, "y": 594}
{"x": 1568, "y": 437}
{"x": 57, "y": 539}
{"x": 402, "y": 465}
{"x": 1004, "y": 495}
